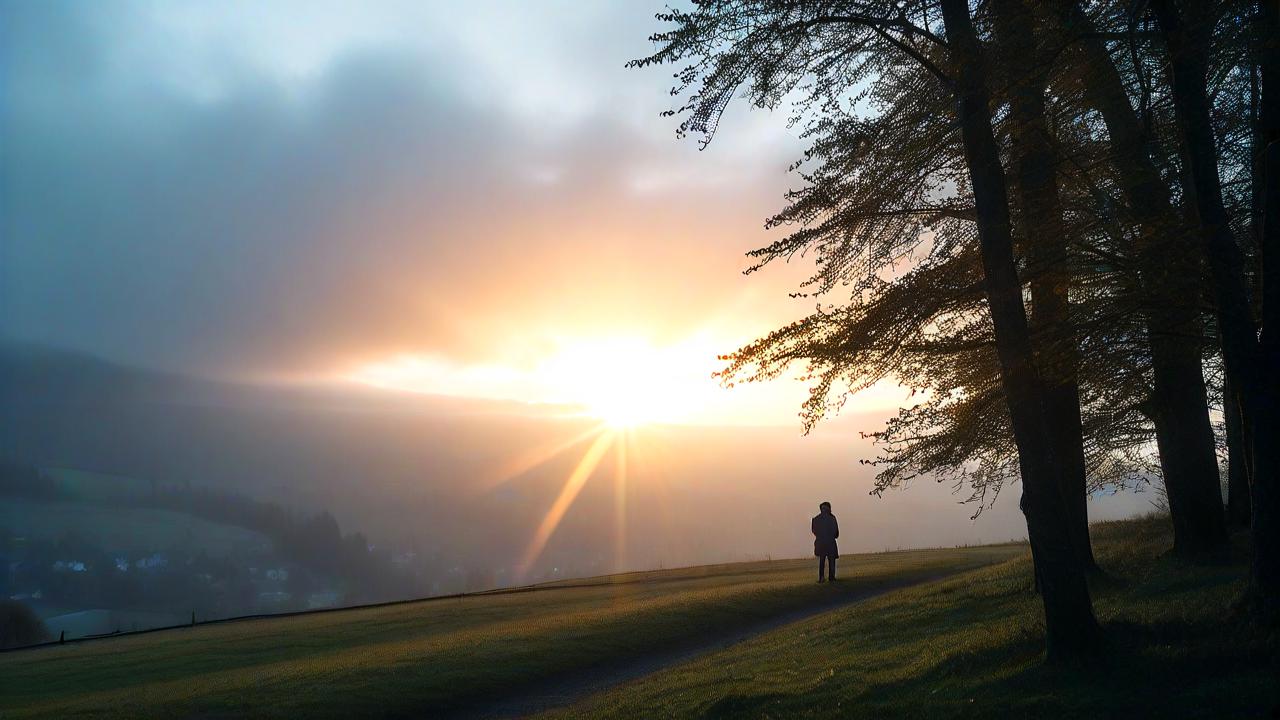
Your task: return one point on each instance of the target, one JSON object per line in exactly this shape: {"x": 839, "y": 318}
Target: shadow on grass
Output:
{"x": 973, "y": 647}
{"x": 1167, "y": 670}
{"x": 741, "y": 706}
{"x": 549, "y": 687}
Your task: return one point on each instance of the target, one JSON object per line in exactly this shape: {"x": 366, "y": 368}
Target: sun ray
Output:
{"x": 568, "y": 493}
{"x": 532, "y": 458}
{"x": 655, "y": 455}
{"x": 620, "y": 501}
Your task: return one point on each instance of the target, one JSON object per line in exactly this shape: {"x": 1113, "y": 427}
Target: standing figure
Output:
{"x": 825, "y": 531}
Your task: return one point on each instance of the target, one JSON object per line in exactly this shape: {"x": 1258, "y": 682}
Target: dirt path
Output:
{"x": 566, "y": 690}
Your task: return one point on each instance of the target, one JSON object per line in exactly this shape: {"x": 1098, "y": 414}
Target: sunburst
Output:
{"x": 608, "y": 437}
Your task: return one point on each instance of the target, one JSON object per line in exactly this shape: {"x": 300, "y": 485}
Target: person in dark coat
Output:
{"x": 825, "y": 531}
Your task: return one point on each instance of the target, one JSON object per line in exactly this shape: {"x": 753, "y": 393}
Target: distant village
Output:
{"x": 188, "y": 554}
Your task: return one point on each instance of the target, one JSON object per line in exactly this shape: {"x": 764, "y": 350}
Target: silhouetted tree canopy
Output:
{"x": 1030, "y": 214}
{"x": 884, "y": 212}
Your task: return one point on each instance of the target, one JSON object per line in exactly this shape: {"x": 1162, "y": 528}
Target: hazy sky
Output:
{"x": 460, "y": 198}
{"x": 474, "y": 199}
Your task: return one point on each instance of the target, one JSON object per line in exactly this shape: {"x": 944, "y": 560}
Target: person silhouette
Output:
{"x": 825, "y": 531}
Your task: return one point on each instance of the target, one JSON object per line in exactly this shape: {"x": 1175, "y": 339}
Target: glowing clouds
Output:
{"x": 622, "y": 381}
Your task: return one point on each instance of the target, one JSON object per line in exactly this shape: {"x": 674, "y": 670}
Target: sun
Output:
{"x": 621, "y": 383}
{"x": 624, "y": 382}
{"x": 630, "y": 406}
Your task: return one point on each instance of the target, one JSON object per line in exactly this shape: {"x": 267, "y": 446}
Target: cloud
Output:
{"x": 173, "y": 200}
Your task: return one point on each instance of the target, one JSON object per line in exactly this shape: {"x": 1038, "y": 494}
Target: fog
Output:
{"x": 472, "y": 480}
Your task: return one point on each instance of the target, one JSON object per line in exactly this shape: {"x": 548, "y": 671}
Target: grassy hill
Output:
{"x": 437, "y": 655}
{"x": 971, "y": 646}
{"x": 964, "y": 646}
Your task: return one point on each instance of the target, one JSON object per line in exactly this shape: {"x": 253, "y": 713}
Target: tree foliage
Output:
{"x": 884, "y": 212}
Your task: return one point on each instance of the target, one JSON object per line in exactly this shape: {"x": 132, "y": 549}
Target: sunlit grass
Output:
{"x": 420, "y": 658}
{"x": 961, "y": 647}
{"x": 971, "y": 646}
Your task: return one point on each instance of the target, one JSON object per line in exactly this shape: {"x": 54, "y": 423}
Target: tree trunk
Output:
{"x": 1056, "y": 350}
{"x": 1264, "y": 420}
{"x": 1188, "y": 458}
{"x": 1238, "y": 465}
{"x": 1264, "y": 591}
{"x": 1251, "y": 365}
{"x": 1168, "y": 269}
{"x": 1070, "y": 626}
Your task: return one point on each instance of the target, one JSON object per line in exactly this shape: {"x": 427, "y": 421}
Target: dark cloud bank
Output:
{"x": 274, "y": 226}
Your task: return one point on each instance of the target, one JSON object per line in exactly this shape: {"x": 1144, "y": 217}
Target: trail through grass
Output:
{"x": 966, "y": 646}
{"x": 435, "y": 657}
{"x": 971, "y": 646}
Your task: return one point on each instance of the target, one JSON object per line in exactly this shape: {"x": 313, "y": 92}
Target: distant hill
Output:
{"x": 468, "y": 482}
{"x": 49, "y": 377}
{"x": 397, "y": 464}
{"x": 130, "y": 530}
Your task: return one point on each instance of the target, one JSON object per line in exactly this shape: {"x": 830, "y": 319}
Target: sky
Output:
{"x": 469, "y": 199}
{"x": 463, "y": 198}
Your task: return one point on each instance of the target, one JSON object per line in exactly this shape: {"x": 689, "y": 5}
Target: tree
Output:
{"x": 1045, "y": 240}
{"x": 19, "y": 626}
{"x": 771, "y": 47}
{"x": 1100, "y": 279}
{"x": 1166, "y": 266}
{"x": 1251, "y": 362}
{"x": 1069, "y": 623}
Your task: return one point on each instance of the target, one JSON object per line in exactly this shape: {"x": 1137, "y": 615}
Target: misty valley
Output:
{"x": 96, "y": 554}
{"x": 133, "y": 498}
{"x": 633, "y": 359}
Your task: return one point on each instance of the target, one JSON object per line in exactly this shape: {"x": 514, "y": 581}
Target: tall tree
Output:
{"x": 1265, "y": 430}
{"x": 1069, "y": 622}
{"x": 1252, "y": 363}
{"x": 772, "y": 47}
{"x": 930, "y": 333}
{"x": 1265, "y": 422}
{"x": 1044, "y": 234}
{"x": 1167, "y": 268}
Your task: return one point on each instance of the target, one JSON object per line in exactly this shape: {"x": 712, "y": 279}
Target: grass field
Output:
{"x": 427, "y": 658}
{"x": 965, "y": 646}
{"x": 971, "y": 647}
